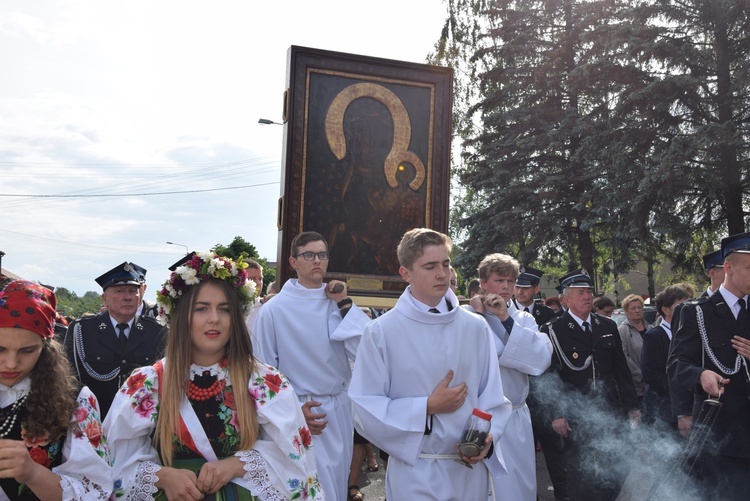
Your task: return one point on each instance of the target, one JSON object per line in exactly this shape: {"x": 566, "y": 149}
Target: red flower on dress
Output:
{"x": 40, "y": 456}
{"x": 234, "y": 422}
{"x": 93, "y": 402}
{"x": 273, "y": 382}
{"x": 34, "y": 441}
{"x": 135, "y": 382}
{"x": 306, "y": 436}
{"x": 146, "y": 406}
{"x": 229, "y": 400}
{"x": 80, "y": 414}
{"x": 94, "y": 433}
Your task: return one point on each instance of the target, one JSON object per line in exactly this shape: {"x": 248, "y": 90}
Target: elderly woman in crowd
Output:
{"x": 631, "y": 333}
{"x": 51, "y": 442}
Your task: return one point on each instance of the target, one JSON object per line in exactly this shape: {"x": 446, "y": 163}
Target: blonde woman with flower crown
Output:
{"x": 185, "y": 428}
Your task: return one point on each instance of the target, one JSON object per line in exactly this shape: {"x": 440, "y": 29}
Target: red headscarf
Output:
{"x": 26, "y": 305}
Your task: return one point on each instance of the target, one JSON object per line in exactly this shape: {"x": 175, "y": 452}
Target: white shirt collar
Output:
{"x": 442, "y": 306}
{"x": 9, "y": 394}
{"x": 115, "y": 322}
{"x": 667, "y": 328}
{"x": 731, "y": 300}
{"x": 213, "y": 370}
{"x": 579, "y": 320}
{"x": 521, "y": 307}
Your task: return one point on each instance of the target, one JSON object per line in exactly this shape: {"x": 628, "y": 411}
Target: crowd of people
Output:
{"x": 221, "y": 392}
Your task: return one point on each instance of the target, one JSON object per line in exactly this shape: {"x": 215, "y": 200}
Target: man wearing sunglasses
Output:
{"x": 309, "y": 332}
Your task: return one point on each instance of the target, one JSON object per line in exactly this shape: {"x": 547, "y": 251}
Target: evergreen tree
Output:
{"x": 604, "y": 131}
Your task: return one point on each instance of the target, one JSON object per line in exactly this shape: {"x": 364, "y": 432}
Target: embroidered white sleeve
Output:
{"x": 82, "y": 489}
{"x": 256, "y": 473}
{"x": 144, "y": 486}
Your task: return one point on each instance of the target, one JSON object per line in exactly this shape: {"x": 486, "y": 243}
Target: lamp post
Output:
{"x": 181, "y": 245}
{"x": 265, "y": 121}
{"x": 1, "y": 262}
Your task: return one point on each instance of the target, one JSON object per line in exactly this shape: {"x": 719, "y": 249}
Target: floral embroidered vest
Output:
{"x": 47, "y": 454}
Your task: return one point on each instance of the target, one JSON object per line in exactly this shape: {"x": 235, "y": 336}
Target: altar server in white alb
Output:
{"x": 309, "y": 332}
{"x": 421, "y": 370}
{"x": 522, "y": 351}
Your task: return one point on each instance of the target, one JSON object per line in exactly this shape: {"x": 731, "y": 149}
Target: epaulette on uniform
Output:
{"x": 553, "y": 320}
{"x": 148, "y": 320}
{"x": 698, "y": 300}
{"x": 603, "y": 318}
{"x": 89, "y": 318}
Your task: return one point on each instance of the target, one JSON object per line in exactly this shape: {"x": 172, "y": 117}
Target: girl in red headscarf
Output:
{"x": 51, "y": 443}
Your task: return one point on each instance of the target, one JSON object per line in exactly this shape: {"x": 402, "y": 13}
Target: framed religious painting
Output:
{"x": 366, "y": 158}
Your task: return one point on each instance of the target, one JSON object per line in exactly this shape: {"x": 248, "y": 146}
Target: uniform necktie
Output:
{"x": 526, "y": 309}
{"x": 586, "y": 328}
{"x": 742, "y": 315}
{"x": 434, "y": 310}
{"x": 121, "y": 334}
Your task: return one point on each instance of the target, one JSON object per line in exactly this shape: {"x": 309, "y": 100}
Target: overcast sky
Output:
{"x": 156, "y": 106}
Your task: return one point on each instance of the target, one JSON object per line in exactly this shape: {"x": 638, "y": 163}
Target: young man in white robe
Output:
{"x": 421, "y": 369}
{"x": 309, "y": 332}
{"x": 522, "y": 351}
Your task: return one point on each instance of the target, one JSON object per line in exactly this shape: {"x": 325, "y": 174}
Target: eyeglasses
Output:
{"x": 309, "y": 256}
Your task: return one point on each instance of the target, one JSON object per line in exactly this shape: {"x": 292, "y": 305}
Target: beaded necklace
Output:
{"x": 10, "y": 421}
{"x": 195, "y": 392}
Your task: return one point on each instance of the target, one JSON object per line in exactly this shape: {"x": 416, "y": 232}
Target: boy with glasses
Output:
{"x": 309, "y": 332}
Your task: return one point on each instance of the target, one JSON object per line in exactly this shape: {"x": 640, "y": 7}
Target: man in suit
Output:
{"x": 527, "y": 287}
{"x": 146, "y": 309}
{"x": 714, "y": 264}
{"x": 681, "y": 399}
{"x": 563, "y": 301}
{"x": 105, "y": 348}
{"x": 709, "y": 355}
{"x": 595, "y": 392}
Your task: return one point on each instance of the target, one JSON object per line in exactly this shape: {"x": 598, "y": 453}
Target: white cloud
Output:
{"x": 145, "y": 97}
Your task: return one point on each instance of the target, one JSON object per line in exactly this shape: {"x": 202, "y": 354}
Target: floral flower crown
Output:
{"x": 196, "y": 268}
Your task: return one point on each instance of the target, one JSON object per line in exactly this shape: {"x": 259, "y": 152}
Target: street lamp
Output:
{"x": 265, "y": 121}
{"x": 181, "y": 245}
{"x": 1, "y": 261}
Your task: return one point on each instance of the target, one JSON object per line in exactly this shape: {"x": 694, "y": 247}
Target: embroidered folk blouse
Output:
{"x": 80, "y": 458}
{"x": 280, "y": 466}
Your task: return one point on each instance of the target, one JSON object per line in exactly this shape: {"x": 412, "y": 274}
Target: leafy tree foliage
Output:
{"x": 702, "y": 87}
{"x": 70, "y": 304}
{"x": 598, "y": 133}
{"x": 241, "y": 247}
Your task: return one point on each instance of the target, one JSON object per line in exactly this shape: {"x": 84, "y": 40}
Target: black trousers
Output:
{"x": 594, "y": 473}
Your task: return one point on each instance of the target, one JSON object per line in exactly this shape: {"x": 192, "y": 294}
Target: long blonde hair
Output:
{"x": 176, "y": 375}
